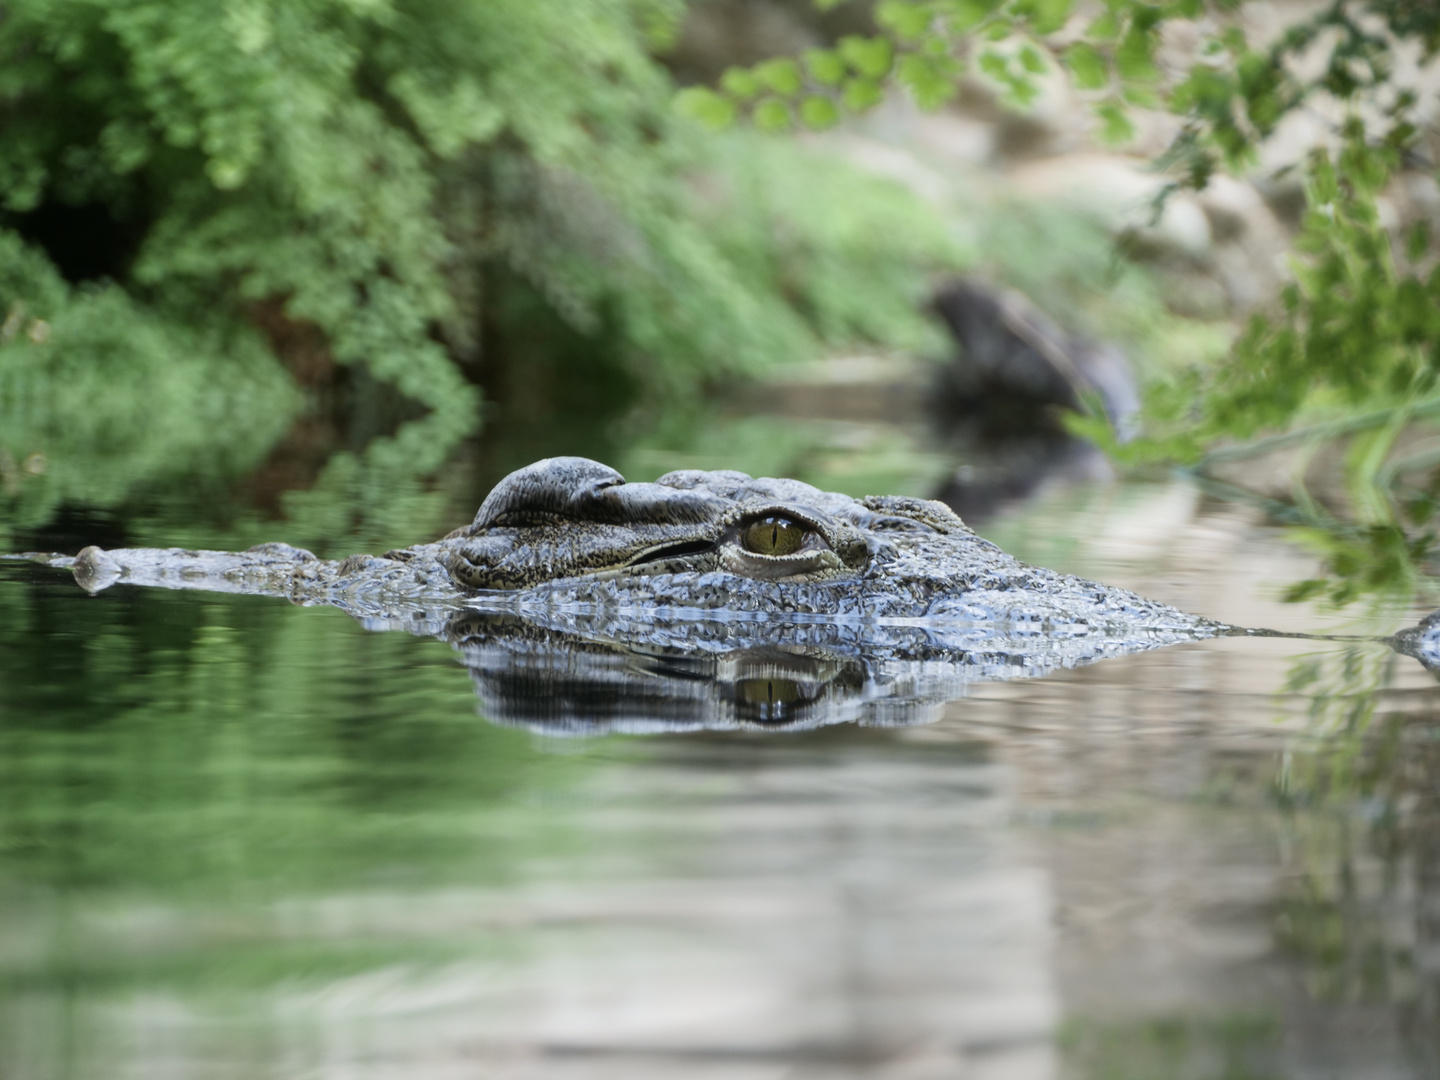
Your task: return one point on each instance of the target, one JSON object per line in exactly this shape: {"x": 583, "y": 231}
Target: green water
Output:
{"x": 244, "y": 839}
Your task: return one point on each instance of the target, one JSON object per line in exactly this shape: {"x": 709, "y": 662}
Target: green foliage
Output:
{"x": 100, "y": 396}
{"x": 1354, "y": 352}
{"x": 554, "y": 112}
{"x": 925, "y": 46}
{"x": 384, "y": 173}
{"x": 1232, "y": 97}
{"x": 1064, "y": 262}
{"x": 836, "y": 253}
{"x": 1359, "y": 328}
{"x": 1357, "y": 332}
{"x": 240, "y": 140}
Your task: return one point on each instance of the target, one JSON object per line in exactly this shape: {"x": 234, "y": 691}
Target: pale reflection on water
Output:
{"x": 244, "y": 840}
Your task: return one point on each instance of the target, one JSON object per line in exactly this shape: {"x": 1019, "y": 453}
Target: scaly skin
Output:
{"x": 569, "y": 534}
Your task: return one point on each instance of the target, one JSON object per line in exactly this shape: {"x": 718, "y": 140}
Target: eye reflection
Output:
{"x": 773, "y": 535}
{"x": 768, "y": 691}
{"x": 771, "y": 699}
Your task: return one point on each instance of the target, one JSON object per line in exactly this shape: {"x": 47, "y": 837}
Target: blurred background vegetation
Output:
{"x": 283, "y": 260}
{"x": 393, "y": 204}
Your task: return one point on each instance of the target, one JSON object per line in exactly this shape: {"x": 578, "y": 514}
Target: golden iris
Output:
{"x": 773, "y": 536}
{"x": 769, "y": 691}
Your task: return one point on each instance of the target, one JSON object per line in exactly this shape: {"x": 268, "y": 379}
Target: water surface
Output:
{"x": 244, "y": 839}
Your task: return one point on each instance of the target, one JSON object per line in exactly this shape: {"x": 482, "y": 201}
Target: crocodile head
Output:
{"x": 569, "y": 517}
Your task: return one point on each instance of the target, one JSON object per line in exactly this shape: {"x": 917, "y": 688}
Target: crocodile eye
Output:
{"x": 773, "y": 535}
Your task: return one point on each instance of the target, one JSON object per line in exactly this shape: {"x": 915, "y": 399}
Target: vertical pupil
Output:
{"x": 773, "y": 536}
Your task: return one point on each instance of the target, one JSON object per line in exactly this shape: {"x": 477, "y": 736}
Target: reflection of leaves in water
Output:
{"x": 229, "y": 806}
{"x": 208, "y": 746}
{"x": 169, "y": 422}
{"x": 111, "y": 399}
{"x": 1358, "y": 905}
{"x": 1387, "y": 558}
{"x": 1237, "y": 1046}
{"x": 1364, "y": 863}
{"x": 1342, "y": 687}
{"x": 391, "y": 494}
{"x": 383, "y": 497}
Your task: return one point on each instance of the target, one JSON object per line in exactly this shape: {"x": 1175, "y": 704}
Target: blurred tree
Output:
{"x": 417, "y": 186}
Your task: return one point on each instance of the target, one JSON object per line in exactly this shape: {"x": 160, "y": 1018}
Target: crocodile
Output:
{"x": 757, "y": 601}
{"x": 571, "y": 533}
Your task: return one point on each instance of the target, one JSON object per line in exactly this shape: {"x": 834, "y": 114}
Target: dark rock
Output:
{"x": 999, "y": 401}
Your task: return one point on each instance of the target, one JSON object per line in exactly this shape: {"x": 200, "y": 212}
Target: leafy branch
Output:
{"x": 1354, "y": 334}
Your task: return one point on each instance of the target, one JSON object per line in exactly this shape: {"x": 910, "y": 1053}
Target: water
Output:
{"x": 243, "y": 839}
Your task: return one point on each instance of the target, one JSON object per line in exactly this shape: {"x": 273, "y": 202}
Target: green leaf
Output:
{"x": 930, "y": 80}
{"x": 1417, "y": 241}
{"x": 825, "y": 67}
{"x": 741, "y": 84}
{"x": 871, "y": 57}
{"x": 704, "y": 105}
{"x": 1044, "y": 16}
{"x": 781, "y": 75}
{"x": 772, "y": 115}
{"x": 1087, "y": 65}
{"x": 965, "y": 15}
{"x": 905, "y": 19}
{"x": 1142, "y": 97}
{"x": 1105, "y": 28}
{"x": 1031, "y": 60}
{"x": 995, "y": 64}
{"x": 819, "y": 113}
{"x": 1115, "y": 125}
{"x": 861, "y": 94}
{"x": 1325, "y": 186}
{"x": 226, "y": 175}
{"x": 1022, "y": 91}
{"x": 1308, "y": 589}
{"x": 1207, "y": 91}
{"x": 1135, "y": 56}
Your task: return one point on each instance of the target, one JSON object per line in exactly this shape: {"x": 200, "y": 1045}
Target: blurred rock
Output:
{"x": 1012, "y": 351}
{"x": 999, "y": 400}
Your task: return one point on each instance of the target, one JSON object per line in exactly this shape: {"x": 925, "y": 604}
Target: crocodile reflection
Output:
{"x": 559, "y": 683}
{"x": 725, "y": 675}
